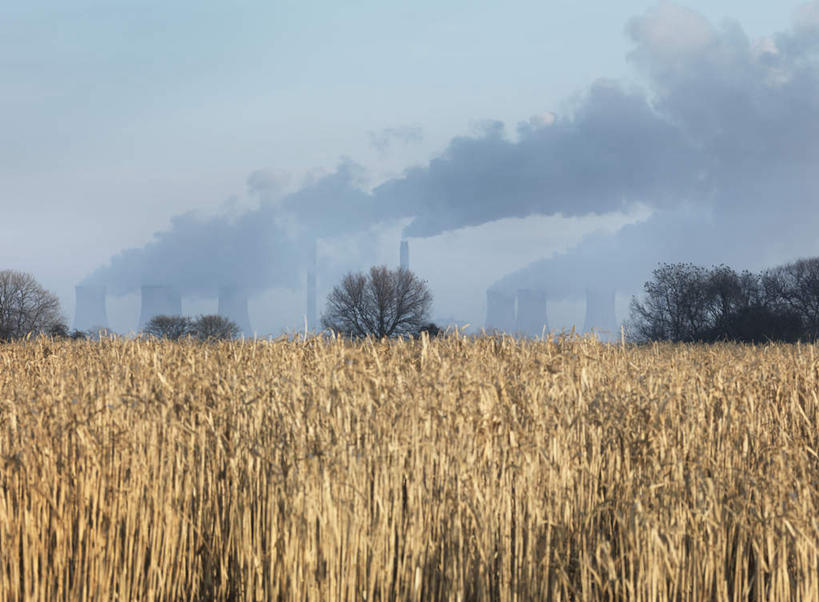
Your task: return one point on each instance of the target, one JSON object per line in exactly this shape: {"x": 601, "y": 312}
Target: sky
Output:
{"x": 121, "y": 120}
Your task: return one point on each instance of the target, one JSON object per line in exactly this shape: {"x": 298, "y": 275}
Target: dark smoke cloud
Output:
{"x": 199, "y": 254}
{"x": 613, "y": 152}
{"x": 265, "y": 247}
{"x": 334, "y": 204}
{"x": 725, "y": 124}
{"x": 750, "y": 111}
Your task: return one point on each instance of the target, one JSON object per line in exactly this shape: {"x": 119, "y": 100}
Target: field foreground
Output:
{"x": 455, "y": 469}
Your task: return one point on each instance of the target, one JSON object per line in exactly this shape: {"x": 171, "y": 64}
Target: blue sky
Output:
{"x": 116, "y": 116}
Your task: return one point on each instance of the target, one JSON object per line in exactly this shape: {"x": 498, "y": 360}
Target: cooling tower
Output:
{"x": 90, "y": 313}
{"x": 158, "y": 301}
{"x": 600, "y": 315}
{"x": 531, "y": 320}
{"x": 404, "y": 254}
{"x": 233, "y": 306}
{"x": 500, "y": 311}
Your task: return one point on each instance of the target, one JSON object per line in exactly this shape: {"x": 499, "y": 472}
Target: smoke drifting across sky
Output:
{"x": 749, "y": 113}
{"x": 722, "y": 145}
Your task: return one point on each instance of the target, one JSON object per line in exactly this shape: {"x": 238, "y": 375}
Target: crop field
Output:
{"x": 454, "y": 469}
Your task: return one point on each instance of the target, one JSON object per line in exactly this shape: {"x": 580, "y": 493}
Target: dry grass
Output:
{"x": 446, "y": 470}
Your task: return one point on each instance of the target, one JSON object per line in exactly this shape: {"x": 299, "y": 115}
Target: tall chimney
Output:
{"x": 600, "y": 316}
{"x": 404, "y": 263}
{"x": 233, "y": 306}
{"x": 500, "y": 311}
{"x": 531, "y": 319}
{"x": 158, "y": 301}
{"x": 312, "y": 323}
{"x": 90, "y": 313}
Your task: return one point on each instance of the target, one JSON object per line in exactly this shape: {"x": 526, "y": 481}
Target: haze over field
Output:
{"x": 558, "y": 147}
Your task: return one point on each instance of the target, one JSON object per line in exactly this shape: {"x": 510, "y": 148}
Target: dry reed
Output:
{"x": 454, "y": 469}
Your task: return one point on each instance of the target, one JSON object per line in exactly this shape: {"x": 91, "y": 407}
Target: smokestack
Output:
{"x": 158, "y": 301}
{"x": 90, "y": 313}
{"x": 531, "y": 319}
{"x": 600, "y": 316}
{"x": 233, "y": 306}
{"x": 312, "y": 323}
{"x": 500, "y": 311}
{"x": 404, "y": 255}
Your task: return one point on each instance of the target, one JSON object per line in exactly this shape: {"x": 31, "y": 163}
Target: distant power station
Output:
{"x": 600, "y": 316}
{"x": 312, "y": 268}
{"x": 526, "y": 313}
{"x": 233, "y": 306}
{"x": 90, "y": 313}
{"x": 500, "y": 311}
{"x": 531, "y": 318}
{"x": 523, "y": 314}
{"x": 404, "y": 255}
{"x": 158, "y": 301}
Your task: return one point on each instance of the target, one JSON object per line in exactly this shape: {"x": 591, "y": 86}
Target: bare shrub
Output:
{"x": 214, "y": 328}
{"x": 168, "y": 327}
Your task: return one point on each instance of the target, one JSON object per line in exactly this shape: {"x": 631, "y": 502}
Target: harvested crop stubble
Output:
{"x": 452, "y": 469}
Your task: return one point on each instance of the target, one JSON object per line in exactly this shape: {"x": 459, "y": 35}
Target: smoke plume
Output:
{"x": 749, "y": 111}
{"x": 721, "y": 142}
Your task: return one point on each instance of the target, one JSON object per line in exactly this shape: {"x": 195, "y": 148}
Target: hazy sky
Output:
{"x": 117, "y": 116}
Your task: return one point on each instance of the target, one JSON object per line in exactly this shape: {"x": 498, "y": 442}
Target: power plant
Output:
{"x": 600, "y": 316}
{"x": 233, "y": 306}
{"x": 526, "y": 313}
{"x": 523, "y": 313}
{"x": 158, "y": 301}
{"x": 531, "y": 317}
{"x": 404, "y": 255}
{"x": 500, "y": 311}
{"x": 90, "y": 313}
{"x": 312, "y": 321}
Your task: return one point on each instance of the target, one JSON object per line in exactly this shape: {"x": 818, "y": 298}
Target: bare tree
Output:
{"x": 214, "y": 328}
{"x": 383, "y": 303}
{"x": 674, "y": 308}
{"x": 26, "y": 307}
{"x": 687, "y": 303}
{"x": 168, "y": 327}
{"x": 795, "y": 286}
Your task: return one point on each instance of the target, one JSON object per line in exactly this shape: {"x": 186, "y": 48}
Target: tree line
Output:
{"x": 689, "y": 303}
{"x": 211, "y": 327}
{"x": 381, "y": 303}
{"x": 682, "y": 302}
{"x": 26, "y": 308}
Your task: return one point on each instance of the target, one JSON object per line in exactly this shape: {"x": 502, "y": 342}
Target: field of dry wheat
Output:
{"x": 453, "y": 469}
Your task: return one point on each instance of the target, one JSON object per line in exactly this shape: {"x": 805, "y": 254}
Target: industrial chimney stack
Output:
{"x": 600, "y": 316}
{"x": 90, "y": 312}
{"x": 531, "y": 318}
{"x": 404, "y": 262}
{"x": 500, "y": 312}
{"x": 233, "y": 306}
{"x": 312, "y": 323}
{"x": 158, "y": 301}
